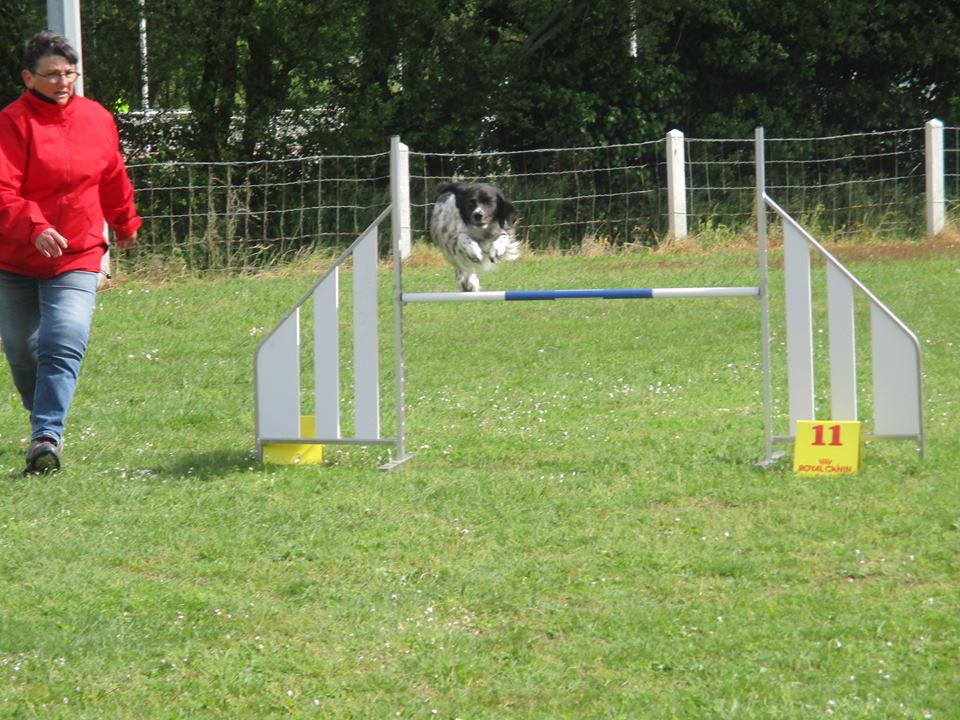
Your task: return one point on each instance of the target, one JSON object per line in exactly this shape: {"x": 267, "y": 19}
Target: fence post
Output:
{"x": 400, "y": 195}
{"x": 676, "y": 186}
{"x": 935, "y": 200}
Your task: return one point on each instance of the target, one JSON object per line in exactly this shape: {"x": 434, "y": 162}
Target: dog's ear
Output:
{"x": 505, "y": 208}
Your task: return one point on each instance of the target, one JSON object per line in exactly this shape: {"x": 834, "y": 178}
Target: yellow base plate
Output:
{"x": 295, "y": 453}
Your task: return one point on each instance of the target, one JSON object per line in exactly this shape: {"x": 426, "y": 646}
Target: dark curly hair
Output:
{"x": 44, "y": 44}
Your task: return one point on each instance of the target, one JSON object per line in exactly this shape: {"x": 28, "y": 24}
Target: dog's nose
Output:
{"x": 478, "y": 214}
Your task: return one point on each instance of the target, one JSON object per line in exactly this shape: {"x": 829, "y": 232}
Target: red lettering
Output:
{"x": 818, "y": 435}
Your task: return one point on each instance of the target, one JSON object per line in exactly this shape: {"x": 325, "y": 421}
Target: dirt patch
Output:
{"x": 942, "y": 245}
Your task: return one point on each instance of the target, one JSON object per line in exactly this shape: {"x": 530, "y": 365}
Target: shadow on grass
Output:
{"x": 214, "y": 463}
{"x": 224, "y": 462}
{"x": 13, "y": 460}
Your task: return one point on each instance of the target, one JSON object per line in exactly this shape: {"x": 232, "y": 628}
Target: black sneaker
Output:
{"x": 43, "y": 456}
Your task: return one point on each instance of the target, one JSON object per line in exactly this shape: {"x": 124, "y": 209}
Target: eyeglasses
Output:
{"x": 67, "y": 77}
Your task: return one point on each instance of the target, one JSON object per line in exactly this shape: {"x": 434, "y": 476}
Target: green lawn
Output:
{"x": 582, "y": 532}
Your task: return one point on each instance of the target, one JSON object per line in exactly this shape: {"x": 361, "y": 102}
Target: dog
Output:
{"x": 471, "y": 224}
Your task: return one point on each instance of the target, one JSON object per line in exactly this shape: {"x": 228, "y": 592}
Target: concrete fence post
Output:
{"x": 676, "y": 185}
{"x": 935, "y": 200}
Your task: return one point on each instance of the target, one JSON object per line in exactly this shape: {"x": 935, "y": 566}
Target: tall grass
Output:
{"x": 581, "y": 533}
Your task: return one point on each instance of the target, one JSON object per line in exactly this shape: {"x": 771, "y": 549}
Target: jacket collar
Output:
{"x": 45, "y": 108}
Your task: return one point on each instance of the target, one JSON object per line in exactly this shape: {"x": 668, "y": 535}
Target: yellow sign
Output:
{"x": 826, "y": 447}
{"x": 295, "y": 453}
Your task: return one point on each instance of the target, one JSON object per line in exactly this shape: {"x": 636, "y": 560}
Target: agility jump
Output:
{"x": 280, "y": 427}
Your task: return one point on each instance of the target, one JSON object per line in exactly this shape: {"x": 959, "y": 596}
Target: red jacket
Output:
{"x": 60, "y": 167}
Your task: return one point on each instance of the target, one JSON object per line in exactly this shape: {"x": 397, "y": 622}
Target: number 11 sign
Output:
{"x": 826, "y": 447}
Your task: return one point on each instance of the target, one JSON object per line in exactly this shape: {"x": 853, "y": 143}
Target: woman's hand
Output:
{"x": 50, "y": 243}
{"x": 127, "y": 243}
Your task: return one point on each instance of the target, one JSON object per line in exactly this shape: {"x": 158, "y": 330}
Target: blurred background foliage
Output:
{"x": 248, "y": 79}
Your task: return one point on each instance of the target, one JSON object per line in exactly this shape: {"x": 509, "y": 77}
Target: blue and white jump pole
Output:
{"x": 607, "y": 294}
{"x": 895, "y": 350}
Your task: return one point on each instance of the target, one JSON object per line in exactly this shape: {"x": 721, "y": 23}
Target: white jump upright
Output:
{"x": 895, "y": 351}
{"x": 277, "y": 376}
{"x": 279, "y": 395}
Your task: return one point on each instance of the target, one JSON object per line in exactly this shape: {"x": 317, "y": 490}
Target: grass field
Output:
{"x": 582, "y": 533}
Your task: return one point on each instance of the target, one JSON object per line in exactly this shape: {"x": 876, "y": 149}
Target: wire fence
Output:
{"x": 851, "y": 184}
{"x": 254, "y": 215}
{"x": 246, "y": 216}
{"x": 564, "y": 197}
{"x": 951, "y": 169}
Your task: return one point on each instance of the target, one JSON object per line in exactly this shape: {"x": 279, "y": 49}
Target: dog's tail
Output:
{"x": 447, "y": 188}
{"x": 513, "y": 249}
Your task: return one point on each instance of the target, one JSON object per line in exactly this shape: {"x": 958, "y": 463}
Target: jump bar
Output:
{"x": 608, "y": 294}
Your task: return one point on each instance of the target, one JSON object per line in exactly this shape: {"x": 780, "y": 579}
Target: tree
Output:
{"x": 572, "y": 80}
{"x": 19, "y": 20}
{"x": 824, "y": 66}
{"x": 271, "y": 77}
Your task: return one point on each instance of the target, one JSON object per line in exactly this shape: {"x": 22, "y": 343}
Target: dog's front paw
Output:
{"x": 499, "y": 247}
{"x": 470, "y": 248}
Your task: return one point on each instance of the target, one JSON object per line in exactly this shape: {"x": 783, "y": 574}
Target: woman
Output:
{"x": 61, "y": 176}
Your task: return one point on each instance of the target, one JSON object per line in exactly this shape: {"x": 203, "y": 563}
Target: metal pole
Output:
{"x": 761, "y": 209}
{"x": 144, "y": 75}
{"x": 580, "y": 294}
{"x": 63, "y": 17}
{"x": 400, "y": 207}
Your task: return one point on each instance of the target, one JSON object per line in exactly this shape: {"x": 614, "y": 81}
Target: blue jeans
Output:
{"x": 44, "y": 325}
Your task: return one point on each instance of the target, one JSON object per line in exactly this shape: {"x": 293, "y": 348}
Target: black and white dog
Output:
{"x": 471, "y": 224}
